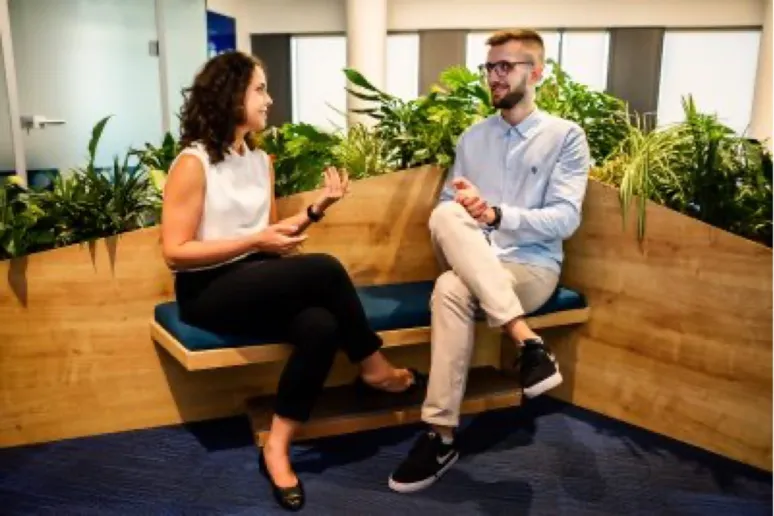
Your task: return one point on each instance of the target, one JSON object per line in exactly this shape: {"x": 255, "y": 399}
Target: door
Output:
{"x": 78, "y": 61}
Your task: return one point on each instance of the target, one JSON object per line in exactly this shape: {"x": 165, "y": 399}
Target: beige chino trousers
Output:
{"x": 473, "y": 276}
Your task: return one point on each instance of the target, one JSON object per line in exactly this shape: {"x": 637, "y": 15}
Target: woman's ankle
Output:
{"x": 376, "y": 365}
{"x": 277, "y": 458}
{"x": 276, "y": 451}
{"x": 394, "y": 380}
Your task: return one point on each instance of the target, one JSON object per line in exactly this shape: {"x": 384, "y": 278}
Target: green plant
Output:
{"x": 24, "y": 226}
{"x": 89, "y": 203}
{"x": 156, "y": 162}
{"x": 425, "y": 130}
{"x": 698, "y": 167}
{"x": 603, "y": 117}
{"x": 363, "y": 153}
{"x": 641, "y": 168}
{"x": 157, "y": 158}
{"x": 300, "y": 153}
{"x": 727, "y": 177}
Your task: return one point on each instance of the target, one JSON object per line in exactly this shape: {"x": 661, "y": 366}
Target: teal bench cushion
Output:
{"x": 388, "y": 307}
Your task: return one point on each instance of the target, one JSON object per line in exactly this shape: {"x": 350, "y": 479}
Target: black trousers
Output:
{"x": 308, "y": 301}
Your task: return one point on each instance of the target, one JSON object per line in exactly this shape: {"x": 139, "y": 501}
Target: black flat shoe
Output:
{"x": 289, "y": 498}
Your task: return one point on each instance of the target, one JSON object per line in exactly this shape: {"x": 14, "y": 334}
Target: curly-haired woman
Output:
{"x": 233, "y": 269}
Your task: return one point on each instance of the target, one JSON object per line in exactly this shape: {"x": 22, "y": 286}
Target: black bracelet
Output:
{"x": 314, "y": 217}
{"x": 498, "y": 217}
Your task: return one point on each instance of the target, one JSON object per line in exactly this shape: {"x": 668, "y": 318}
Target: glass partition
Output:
{"x": 78, "y": 61}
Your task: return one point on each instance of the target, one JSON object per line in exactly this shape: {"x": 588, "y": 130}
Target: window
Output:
{"x": 583, "y": 55}
{"x": 318, "y": 81}
{"x": 717, "y": 68}
{"x": 402, "y": 67}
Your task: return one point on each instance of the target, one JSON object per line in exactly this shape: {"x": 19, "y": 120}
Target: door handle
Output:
{"x": 29, "y": 122}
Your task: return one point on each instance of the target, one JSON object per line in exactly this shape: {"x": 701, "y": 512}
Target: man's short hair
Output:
{"x": 527, "y": 36}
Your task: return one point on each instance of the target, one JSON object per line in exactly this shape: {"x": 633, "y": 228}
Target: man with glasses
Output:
{"x": 513, "y": 196}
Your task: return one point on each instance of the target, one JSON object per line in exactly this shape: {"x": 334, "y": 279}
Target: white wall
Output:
{"x": 761, "y": 124}
{"x": 185, "y": 40}
{"x": 266, "y": 16}
{"x": 80, "y": 60}
{"x": 496, "y": 14}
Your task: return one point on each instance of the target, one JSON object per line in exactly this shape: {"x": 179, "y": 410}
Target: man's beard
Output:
{"x": 511, "y": 98}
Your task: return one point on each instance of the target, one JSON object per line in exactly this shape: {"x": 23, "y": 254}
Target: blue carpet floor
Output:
{"x": 544, "y": 458}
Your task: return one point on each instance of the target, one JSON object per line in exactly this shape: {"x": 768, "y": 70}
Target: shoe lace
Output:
{"x": 425, "y": 447}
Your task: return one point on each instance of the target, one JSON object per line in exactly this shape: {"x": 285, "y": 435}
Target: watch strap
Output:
{"x": 314, "y": 217}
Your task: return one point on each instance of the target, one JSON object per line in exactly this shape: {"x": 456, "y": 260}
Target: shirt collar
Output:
{"x": 525, "y": 128}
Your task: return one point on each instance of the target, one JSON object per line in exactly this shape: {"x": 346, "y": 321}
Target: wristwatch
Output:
{"x": 314, "y": 217}
{"x": 498, "y": 217}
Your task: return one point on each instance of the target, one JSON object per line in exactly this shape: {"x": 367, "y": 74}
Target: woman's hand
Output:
{"x": 336, "y": 185}
{"x": 279, "y": 238}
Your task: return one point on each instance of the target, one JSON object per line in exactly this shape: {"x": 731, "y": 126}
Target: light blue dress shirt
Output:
{"x": 536, "y": 172}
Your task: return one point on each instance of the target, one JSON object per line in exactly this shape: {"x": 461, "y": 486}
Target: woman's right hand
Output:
{"x": 279, "y": 239}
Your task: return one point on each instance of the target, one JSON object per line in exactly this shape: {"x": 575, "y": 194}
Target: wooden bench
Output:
{"x": 380, "y": 234}
{"x": 400, "y": 313}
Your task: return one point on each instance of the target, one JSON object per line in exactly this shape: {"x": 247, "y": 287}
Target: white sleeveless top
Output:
{"x": 237, "y": 196}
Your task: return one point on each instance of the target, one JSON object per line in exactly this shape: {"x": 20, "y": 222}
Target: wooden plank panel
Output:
{"x": 681, "y": 337}
{"x": 380, "y": 230}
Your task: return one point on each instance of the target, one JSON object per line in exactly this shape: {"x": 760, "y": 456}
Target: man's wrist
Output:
{"x": 489, "y": 216}
{"x": 493, "y": 217}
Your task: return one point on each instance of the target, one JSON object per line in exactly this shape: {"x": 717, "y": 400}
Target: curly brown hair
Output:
{"x": 214, "y": 104}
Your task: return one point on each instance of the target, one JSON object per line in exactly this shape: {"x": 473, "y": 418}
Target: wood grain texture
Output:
{"x": 76, "y": 356}
{"x": 680, "y": 340}
{"x": 380, "y": 230}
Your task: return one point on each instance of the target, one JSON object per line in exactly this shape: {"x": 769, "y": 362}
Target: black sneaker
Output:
{"x": 538, "y": 369}
{"x": 428, "y": 459}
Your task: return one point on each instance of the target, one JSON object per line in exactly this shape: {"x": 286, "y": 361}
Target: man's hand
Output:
{"x": 469, "y": 197}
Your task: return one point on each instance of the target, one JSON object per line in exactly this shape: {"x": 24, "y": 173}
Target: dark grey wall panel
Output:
{"x": 438, "y": 50}
{"x": 274, "y": 51}
{"x": 635, "y": 68}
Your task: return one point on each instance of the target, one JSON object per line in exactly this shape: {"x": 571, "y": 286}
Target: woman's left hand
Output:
{"x": 335, "y": 187}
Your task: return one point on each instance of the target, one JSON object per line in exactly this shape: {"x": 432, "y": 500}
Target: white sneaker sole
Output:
{"x": 413, "y": 487}
{"x": 544, "y": 385}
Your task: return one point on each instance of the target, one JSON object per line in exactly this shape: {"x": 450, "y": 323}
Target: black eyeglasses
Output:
{"x": 502, "y": 67}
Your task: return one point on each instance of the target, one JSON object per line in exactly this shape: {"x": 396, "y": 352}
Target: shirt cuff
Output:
{"x": 511, "y": 218}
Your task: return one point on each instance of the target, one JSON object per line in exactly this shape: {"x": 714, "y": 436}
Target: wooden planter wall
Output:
{"x": 680, "y": 338}
{"x": 679, "y": 341}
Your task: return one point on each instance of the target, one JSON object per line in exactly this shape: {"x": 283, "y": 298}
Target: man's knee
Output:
{"x": 446, "y": 213}
{"x": 450, "y": 288}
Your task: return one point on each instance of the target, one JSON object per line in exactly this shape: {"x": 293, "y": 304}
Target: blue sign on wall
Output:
{"x": 221, "y": 34}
